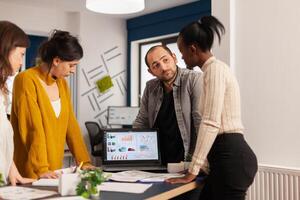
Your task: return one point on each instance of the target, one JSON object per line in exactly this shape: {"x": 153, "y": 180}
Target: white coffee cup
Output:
{"x": 175, "y": 167}
{"x": 68, "y": 183}
{"x": 186, "y": 165}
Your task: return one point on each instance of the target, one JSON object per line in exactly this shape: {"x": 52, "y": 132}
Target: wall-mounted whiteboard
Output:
{"x": 121, "y": 115}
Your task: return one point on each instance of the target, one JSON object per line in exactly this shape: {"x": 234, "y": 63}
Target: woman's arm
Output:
{"x": 74, "y": 138}
{"x": 28, "y": 124}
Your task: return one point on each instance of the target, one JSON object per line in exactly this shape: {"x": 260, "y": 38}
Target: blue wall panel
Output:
{"x": 32, "y": 51}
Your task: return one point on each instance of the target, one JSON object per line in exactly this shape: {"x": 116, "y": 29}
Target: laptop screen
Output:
{"x": 122, "y": 146}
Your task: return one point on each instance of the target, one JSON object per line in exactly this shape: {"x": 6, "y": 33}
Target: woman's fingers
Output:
{"x": 186, "y": 179}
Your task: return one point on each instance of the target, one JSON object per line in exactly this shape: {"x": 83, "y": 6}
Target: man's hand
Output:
{"x": 186, "y": 179}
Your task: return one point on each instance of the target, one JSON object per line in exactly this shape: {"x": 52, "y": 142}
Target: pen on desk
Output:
{"x": 78, "y": 167}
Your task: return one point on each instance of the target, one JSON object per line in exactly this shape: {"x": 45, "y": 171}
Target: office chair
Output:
{"x": 96, "y": 137}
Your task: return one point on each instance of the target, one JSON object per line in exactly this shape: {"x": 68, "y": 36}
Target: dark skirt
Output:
{"x": 233, "y": 166}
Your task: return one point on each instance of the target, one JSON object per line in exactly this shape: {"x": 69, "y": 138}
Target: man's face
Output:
{"x": 161, "y": 64}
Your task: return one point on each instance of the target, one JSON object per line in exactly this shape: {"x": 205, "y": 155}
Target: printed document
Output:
{"x": 135, "y": 175}
{"x": 124, "y": 187}
{"x": 23, "y": 193}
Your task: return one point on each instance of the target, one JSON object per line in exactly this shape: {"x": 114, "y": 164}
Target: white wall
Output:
{"x": 33, "y": 20}
{"x": 221, "y": 10}
{"x": 105, "y": 38}
{"x": 102, "y": 38}
{"x": 266, "y": 63}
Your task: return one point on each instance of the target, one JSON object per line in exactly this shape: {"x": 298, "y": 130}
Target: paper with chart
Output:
{"x": 135, "y": 175}
{"x": 124, "y": 187}
{"x": 68, "y": 198}
{"x": 23, "y": 193}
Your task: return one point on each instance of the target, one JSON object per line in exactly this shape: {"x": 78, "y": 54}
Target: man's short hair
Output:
{"x": 154, "y": 47}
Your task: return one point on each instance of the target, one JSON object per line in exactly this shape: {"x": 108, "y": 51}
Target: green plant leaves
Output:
{"x": 90, "y": 179}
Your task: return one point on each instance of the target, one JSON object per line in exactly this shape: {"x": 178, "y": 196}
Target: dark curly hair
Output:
{"x": 62, "y": 45}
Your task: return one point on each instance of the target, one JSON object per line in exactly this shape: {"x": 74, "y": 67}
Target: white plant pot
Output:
{"x": 95, "y": 196}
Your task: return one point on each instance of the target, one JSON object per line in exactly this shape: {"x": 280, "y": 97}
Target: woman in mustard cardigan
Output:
{"x": 42, "y": 114}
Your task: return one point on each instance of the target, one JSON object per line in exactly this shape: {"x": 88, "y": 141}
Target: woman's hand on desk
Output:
{"x": 15, "y": 177}
{"x": 49, "y": 174}
{"x": 186, "y": 179}
{"x": 88, "y": 167}
{"x": 20, "y": 180}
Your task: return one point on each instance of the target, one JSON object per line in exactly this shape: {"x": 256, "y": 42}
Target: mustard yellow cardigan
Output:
{"x": 39, "y": 136}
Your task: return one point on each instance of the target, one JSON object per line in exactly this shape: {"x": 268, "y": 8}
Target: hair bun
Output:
{"x": 59, "y": 35}
{"x": 60, "y": 44}
{"x": 202, "y": 32}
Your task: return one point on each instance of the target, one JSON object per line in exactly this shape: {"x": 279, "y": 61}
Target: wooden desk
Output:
{"x": 175, "y": 191}
{"x": 158, "y": 191}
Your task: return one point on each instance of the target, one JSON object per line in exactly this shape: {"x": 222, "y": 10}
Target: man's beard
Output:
{"x": 171, "y": 79}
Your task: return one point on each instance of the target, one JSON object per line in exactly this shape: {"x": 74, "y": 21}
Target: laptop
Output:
{"x": 131, "y": 149}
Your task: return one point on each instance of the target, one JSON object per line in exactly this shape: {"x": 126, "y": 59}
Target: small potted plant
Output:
{"x": 90, "y": 179}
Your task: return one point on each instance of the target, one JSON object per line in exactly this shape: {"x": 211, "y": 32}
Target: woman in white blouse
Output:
{"x": 12, "y": 49}
{"x": 233, "y": 164}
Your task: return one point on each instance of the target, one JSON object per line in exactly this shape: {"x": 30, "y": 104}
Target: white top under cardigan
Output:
{"x": 6, "y": 140}
{"x": 56, "y": 105}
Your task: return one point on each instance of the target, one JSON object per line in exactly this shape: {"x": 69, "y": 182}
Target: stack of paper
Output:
{"x": 134, "y": 176}
{"x": 68, "y": 198}
{"x": 124, "y": 187}
{"x": 23, "y": 193}
{"x": 46, "y": 182}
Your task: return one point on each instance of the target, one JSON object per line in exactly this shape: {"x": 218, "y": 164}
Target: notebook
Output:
{"x": 131, "y": 149}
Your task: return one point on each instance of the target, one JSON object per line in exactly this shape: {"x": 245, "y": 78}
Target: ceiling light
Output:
{"x": 115, "y": 6}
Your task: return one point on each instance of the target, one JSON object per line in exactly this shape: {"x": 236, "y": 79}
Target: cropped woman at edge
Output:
{"x": 233, "y": 164}
{"x": 12, "y": 49}
{"x": 42, "y": 115}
